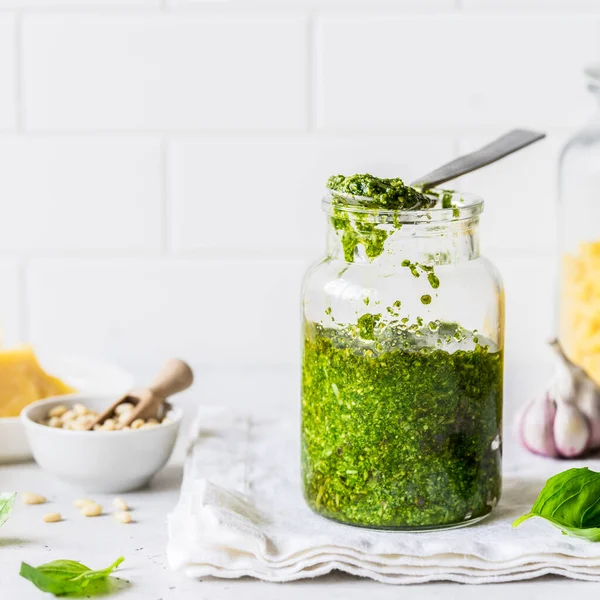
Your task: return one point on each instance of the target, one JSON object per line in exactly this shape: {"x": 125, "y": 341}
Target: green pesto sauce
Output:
{"x": 380, "y": 193}
{"x": 397, "y": 433}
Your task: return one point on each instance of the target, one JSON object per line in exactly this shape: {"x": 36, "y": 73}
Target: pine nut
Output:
{"x": 81, "y": 502}
{"x": 109, "y": 425}
{"x": 123, "y": 517}
{"x": 31, "y": 498}
{"x": 80, "y": 410}
{"x": 91, "y": 510}
{"x": 77, "y": 426}
{"x": 124, "y": 408}
{"x": 52, "y": 518}
{"x": 79, "y": 418}
{"x": 120, "y": 504}
{"x": 58, "y": 411}
{"x": 68, "y": 416}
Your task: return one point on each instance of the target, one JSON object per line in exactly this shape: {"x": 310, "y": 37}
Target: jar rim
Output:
{"x": 464, "y": 206}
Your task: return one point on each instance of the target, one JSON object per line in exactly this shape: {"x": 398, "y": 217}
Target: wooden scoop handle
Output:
{"x": 174, "y": 377}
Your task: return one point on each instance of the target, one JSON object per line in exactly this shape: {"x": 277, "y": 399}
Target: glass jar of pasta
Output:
{"x": 579, "y": 243}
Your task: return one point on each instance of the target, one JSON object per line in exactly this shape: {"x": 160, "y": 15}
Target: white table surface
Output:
{"x": 98, "y": 542}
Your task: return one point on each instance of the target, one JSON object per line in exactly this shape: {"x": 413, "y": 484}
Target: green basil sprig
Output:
{"x": 7, "y": 501}
{"x": 571, "y": 502}
{"x": 61, "y": 577}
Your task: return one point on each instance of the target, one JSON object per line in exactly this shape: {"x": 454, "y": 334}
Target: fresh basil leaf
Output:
{"x": 571, "y": 502}
{"x": 46, "y": 583}
{"x": 66, "y": 577}
{"x": 63, "y": 569}
{"x": 7, "y": 501}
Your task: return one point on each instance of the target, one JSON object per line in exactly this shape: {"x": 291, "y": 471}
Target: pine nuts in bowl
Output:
{"x": 105, "y": 460}
{"x": 80, "y": 418}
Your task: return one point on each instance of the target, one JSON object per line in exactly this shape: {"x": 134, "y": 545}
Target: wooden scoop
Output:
{"x": 174, "y": 377}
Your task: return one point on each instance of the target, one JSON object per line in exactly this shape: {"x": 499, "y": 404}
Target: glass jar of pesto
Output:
{"x": 403, "y": 327}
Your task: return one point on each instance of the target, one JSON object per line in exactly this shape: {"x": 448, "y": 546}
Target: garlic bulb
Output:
{"x": 565, "y": 422}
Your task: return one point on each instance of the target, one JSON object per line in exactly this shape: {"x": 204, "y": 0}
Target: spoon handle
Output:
{"x": 507, "y": 144}
{"x": 175, "y": 376}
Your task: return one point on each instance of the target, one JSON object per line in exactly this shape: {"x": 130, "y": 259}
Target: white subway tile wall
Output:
{"x": 163, "y": 72}
{"x": 485, "y": 70}
{"x": 162, "y": 161}
{"x": 532, "y": 4}
{"x": 287, "y": 174}
{"x": 80, "y": 195}
{"x": 214, "y": 311}
{"x": 8, "y": 72}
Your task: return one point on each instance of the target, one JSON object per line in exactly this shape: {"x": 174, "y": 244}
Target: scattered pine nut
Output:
{"x": 31, "y": 498}
{"x": 52, "y": 518}
{"x": 55, "y": 422}
{"x": 91, "y": 510}
{"x": 58, "y": 411}
{"x": 120, "y": 504}
{"x": 123, "y": 517}
{"x": 81, "y": 502}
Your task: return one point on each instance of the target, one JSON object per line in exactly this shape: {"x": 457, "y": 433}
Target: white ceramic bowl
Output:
{"x": 98, "y": 461}
{"x": 85, "y": 375}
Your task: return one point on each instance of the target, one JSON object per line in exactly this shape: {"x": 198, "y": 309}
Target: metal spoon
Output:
{"x": 507, "y": 144}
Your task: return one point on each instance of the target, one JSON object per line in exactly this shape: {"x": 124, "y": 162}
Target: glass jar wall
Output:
{"x": 402, "y": 369}
{"x": 579, "y": 243}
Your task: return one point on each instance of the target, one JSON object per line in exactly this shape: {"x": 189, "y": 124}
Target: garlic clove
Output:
{"x": 588, "y": 402}
{"x": 536, "y": 427}
{"x": 572, "y": 432}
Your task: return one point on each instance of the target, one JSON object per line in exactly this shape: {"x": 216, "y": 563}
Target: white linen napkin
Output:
{"x": 241, "y": 513}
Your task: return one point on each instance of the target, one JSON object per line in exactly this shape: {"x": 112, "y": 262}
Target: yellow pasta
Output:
{"x": 580, "y": 309}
